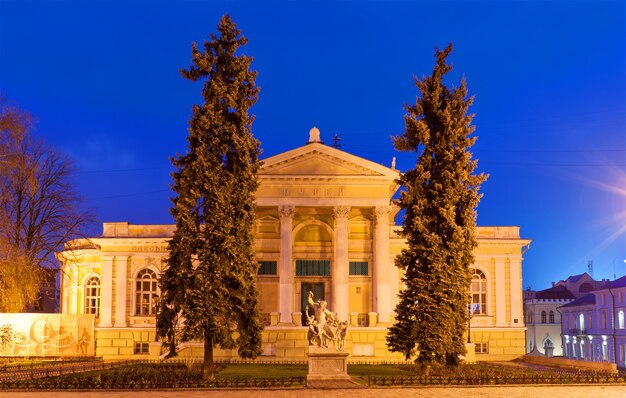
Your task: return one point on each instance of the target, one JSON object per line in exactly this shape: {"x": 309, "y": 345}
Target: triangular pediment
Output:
{"x": 317, "y": 159}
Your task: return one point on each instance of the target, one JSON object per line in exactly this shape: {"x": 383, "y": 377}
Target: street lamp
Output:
{"x": 469, "y": 317}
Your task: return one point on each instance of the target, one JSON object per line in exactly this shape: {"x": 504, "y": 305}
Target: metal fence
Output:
{"x": 43, "y": 370}
{"x": 564, "y": 378}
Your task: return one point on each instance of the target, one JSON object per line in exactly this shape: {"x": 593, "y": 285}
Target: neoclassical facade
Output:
{"x": 325, "y": 223}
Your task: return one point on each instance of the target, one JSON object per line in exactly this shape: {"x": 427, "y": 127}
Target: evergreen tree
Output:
{"x": 440, "y": 197}
{"x": 209, "y": 279}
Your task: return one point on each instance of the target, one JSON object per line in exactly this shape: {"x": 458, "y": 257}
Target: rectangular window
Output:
{"x": 267, "y": 268}
{"x": 312, "y": 267}
{"x": 481, "y": 348}
{"x": 363, "y": 320}
{"x": 358, "y": 268}
{"x": 142, "y": 348}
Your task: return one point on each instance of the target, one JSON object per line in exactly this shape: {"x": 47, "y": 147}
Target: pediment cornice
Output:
{"x": 316, "y": 160}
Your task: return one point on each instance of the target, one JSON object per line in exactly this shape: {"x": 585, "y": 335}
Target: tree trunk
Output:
{"x": 208, "y": 367}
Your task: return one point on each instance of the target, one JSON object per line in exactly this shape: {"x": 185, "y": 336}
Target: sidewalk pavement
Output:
{"x": 579, "y": 391}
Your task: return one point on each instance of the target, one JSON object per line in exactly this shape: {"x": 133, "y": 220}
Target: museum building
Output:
{"x": 324, "y": 223}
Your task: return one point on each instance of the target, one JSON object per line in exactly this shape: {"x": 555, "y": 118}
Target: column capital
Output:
{"x": 341, "y": 212}
{"x": 381, "y": 213}
{"x": 286, "y": 211}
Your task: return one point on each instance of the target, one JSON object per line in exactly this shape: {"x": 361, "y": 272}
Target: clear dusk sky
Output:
{"x": 549, "y": 79}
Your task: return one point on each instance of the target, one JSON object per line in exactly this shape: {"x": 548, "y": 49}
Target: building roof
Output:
{"x": 619, "y": 282}
{"x": 554, "y": 293}
{"x": 588, "y": 299}
{"x": 575, "y": 278}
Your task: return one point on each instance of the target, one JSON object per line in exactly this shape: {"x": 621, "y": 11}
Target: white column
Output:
{"x": 516, "y": 292}
{"x": 381, "y": 269}
{"x": 120, "y": 287}
{"x": 500, "y": 294}
{"x": 106, "y": 292}
{"x": 285, "y": 272}
{"x": 340, "y": 268}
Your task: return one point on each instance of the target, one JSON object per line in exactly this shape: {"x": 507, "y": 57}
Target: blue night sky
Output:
{"x": 549, "y": 78}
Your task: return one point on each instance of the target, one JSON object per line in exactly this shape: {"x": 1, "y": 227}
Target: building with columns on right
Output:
{"x": 325, "y": 223}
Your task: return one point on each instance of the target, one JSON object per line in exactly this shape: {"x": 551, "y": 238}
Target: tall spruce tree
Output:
{"x": 209, "y": 279}
{"x": 440, "y": 197}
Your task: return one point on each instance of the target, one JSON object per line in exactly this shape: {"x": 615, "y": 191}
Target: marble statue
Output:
{"x": 324, "y": 326}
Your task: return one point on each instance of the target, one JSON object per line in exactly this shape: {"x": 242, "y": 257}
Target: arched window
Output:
{"x": 544, "y": 317}
{"x": 581, "y": 322}
{"x": 92, "y": 296}
{"x": 620, "y": 319}
{"x": 551, "y": 317}
{"x": 478, "y": 291}
{"x": 146, "y": 292}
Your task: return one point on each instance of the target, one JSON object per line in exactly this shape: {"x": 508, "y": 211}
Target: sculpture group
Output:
{"x": 324, "y": 326}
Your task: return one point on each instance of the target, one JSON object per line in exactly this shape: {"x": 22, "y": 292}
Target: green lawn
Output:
{"x": 237, "y": 371}
{"x": 231, "y": 371}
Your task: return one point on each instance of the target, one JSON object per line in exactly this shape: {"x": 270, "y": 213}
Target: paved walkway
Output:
{"x": 586, "y": 391}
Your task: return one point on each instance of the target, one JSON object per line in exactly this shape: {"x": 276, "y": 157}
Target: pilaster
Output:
{"x": 516, "y": 292}
{"x": 121, "y": 279}
{"x": 106, "y": 291}
{"x": 500, "y": 293}
{"x": 74, "y": 283}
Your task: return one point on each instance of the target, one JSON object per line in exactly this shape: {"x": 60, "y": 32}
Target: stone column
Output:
{"x": 106, "y": 292}
{"x": 381, "y": 269}
{"x": 285, "y": 272}
{"x": 121, "y": 268}
{"x": 500, "y": 294}
{"x": 516, "y": 292}
{"x": 340, "y": 268}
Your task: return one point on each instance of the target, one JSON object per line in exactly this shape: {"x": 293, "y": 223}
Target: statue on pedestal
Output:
{"x": 324, "y": 326}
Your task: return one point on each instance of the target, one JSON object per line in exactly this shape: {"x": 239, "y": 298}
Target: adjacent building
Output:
{"x": 593, "y": 327}
{"x": 543, "y": 320}
{"x": 324, "y": 223}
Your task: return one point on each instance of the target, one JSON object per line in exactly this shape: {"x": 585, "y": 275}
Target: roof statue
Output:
{"x": 314, "y": 136}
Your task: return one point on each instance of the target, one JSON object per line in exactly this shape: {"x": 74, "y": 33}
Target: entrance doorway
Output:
{"x": 318, "y": 294}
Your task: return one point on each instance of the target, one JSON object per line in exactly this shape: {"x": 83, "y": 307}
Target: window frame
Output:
{"x": 264, "y": 265}
{"x": 479, "y": 297}
{"x": 481, "y": 348}
{"x": 313, "y": 267}
{"x": 358, "y": 268}
{"x": 95, "y": 299}
{"x": 140, "y": 295}
{"x": 141, "y": 348}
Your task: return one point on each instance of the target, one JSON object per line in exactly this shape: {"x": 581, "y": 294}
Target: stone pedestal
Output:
{"x": 155, "y": 350}
{"x": 470, "y": 357}
{"x": 327, "y": 364}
